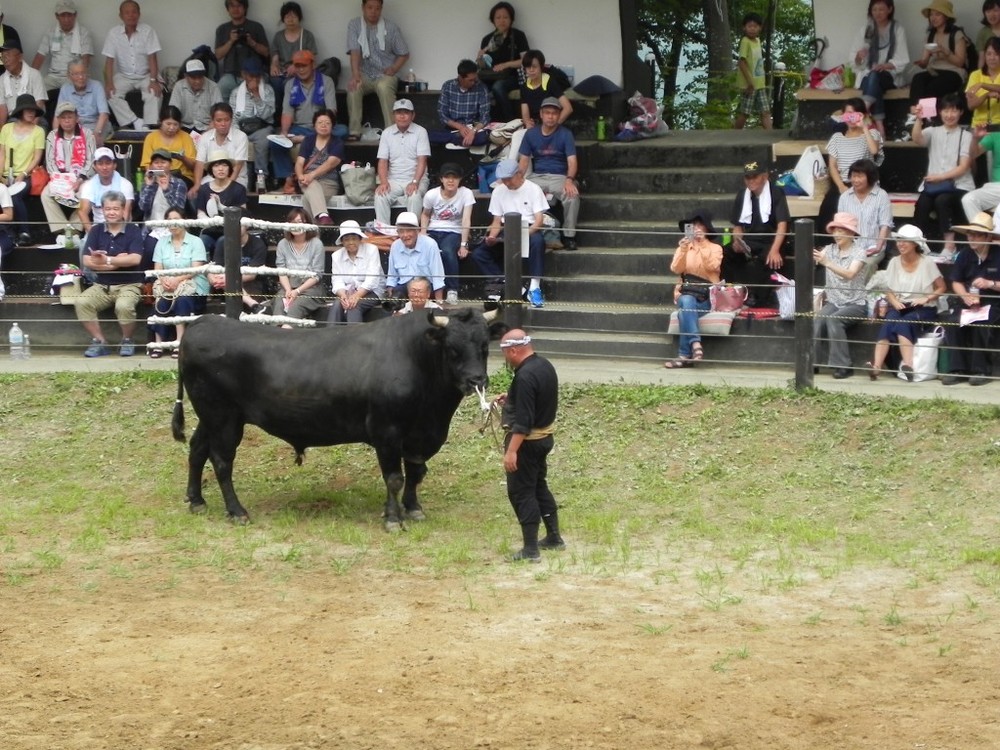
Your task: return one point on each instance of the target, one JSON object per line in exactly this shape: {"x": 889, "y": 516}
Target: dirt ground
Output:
{"x": 517, "y": 657}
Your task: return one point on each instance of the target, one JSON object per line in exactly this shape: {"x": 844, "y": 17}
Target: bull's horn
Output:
{"x": 491, "y": 315}
{"x": 440, "y": 320}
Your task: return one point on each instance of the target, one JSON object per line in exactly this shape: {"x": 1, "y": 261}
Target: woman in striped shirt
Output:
{"x": 860, "y": 141}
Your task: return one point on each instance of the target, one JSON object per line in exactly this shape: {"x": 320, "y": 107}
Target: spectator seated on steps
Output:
{"x": 253, "y": 111}
{"x": 413, "y": 254}
{"x": 170, "y": 137}
{"x": 18, "y": 79}
{"x": 161, "y": 191}
{"x": 403, "y": 150}
{"x": 943, "y": 60}
{"x": 861, "y": 140}
{"x": 235, "y": 41}
{"x": 880, "y": 58}
{"x": 698, "y": 261}
{"x": 131, "y": 64}
{"x": 285, "y": 43}
{"x": 357, "y": 278}
{"x": 90, "y": 100}
{"x": 515, "y": 194}
{"x": 194, "y": 95}
{"x": 539, "y": 86}
{"x": 69, "y": 151}
{"x": 499, "y": 58}
{"x": 760, "y": 222}
{"x": 548, "y": 157}
{"x": 106, "y": 179}
{"x": 463, "y": 109}
{"x": 65, "y": 42}
{"x": 975, "y": 281}
{"x": 866, "y": 200}
{"x": 447, "y": 219}
{"x": 223, "y": 136}
{"x": 418, "y": 294}
{"x": 377, "y": 50}
{"x": 307, "y": 92}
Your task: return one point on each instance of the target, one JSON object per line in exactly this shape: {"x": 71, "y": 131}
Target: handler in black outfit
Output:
{"x": 529, "y": 415}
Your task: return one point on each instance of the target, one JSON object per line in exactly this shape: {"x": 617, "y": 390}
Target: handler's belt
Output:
{"x": 541, "y": 432}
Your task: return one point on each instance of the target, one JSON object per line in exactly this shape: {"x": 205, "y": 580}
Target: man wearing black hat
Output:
{"x": 18, "y": 78}
{"x": 760, "y": 220}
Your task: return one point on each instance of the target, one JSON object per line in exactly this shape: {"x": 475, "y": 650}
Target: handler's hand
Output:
{"x": 510, "y": 461}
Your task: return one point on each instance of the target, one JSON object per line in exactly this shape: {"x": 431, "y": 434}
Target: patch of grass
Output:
{"x": 771, "y": 485}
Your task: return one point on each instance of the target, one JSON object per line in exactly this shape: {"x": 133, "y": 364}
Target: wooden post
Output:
{"x": 514, "y": 313}
{"x": 233, "y": 252}
{"x": 804, "y": 239}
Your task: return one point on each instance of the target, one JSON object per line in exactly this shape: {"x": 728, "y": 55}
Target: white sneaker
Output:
{"x": 139, "y": 124}
{"x": 911, "y": 120}
{"x": 451, "y": 298}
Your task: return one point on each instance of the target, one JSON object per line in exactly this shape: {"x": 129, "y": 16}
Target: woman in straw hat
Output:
{"x": 913, "y": 286}
{"x": 975, "y": 281}
{"x": 844, "y": 290}
{"x": 943, "y": 61}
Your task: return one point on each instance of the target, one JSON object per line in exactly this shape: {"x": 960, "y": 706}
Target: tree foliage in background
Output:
{"x": 694, "y": 43}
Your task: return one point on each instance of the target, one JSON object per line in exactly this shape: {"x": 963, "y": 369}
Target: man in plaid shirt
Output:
{"x": 464, "y": 109}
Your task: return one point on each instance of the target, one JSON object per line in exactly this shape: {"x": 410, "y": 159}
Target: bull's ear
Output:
{"x": 498, "y": 329}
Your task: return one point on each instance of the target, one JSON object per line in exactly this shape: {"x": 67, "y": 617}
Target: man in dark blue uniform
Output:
{"x": 529, "y": 415}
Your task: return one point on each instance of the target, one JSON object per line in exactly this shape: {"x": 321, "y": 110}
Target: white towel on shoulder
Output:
{"x": 763, "y": 204}
{"x": 379, "y": 35}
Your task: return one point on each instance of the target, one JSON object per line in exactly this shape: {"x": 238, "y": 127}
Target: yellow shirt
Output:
{"x": 987, "y": 113}
{"x": 181, "y": 142}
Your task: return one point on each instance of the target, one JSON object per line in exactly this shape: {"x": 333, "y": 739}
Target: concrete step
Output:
{"x": 678, "y": 149}
{"x": 625, "y": 234}
{"x": 666, "y": 209}
{"x": 54, "y": 326}
{"x": 633, "y": 290}
{"x": 607, "y": 345}
{"x": 612, "y": 261}
{"x": 611, "y": 317}
{"x": 717, "y": 180}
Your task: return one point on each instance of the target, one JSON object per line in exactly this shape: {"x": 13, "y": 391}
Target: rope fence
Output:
{"x": 754, "y": 332}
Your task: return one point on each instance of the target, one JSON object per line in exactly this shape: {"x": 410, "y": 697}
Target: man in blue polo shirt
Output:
{"x": 413, "y": 254}
{"x": 548, "y": 159}
{"x": 114, "y": 254}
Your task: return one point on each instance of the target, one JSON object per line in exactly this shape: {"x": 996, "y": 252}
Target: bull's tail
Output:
{"x": 177, "y": 424}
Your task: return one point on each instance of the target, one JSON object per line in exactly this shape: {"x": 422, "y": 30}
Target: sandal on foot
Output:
{"x": 155, "y": 353}
{"x": 873, "y": 371}
{"x": 676, "y": 364}
{"x": 907, "y": 372}
{"x": 697, "y": 353}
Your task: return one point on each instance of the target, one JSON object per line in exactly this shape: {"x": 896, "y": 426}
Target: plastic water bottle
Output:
{"x": 602, "y": 129}
{"x": 16, "y": 339}
{"x": 70, "y": 238}
{"x": 27, "y": 347}
{"x": 261, "y": 182}
{"x": 411, "y": 77}
{"x": 139, "y": 180}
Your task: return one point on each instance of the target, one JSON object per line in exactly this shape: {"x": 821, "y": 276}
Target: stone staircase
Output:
{"x": 613, "y": 296}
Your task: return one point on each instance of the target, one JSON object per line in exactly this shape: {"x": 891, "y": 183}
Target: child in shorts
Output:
{"x": 753, "y": 96}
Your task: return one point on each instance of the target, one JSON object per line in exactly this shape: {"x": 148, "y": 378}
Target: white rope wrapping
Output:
{"x": 279, "y": 319}
{"x": 218, "y": 221}
{"x": 161, "y": 345}
{"x": 211, "y": 268}
{"x": 171, "y": 320}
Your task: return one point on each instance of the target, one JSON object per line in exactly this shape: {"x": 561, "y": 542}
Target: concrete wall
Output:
{"x": 841, "y": 20}
{"x": 582, "y": 33}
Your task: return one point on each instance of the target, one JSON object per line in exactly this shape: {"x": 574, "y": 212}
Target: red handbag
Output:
{"x": 727, "y": 298}
{"x": 38, "y": 179}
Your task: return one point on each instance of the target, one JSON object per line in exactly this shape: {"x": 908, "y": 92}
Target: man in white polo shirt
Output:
{"x": 18, "y": 78}
{"x": 131, "y": 64}
{"x": 402, "y": 163}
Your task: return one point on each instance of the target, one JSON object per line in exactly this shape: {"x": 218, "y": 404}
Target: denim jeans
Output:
{"x": 449, "y": 242}
{"x": 689, "y": 309}
{"x": 490, "y": 259}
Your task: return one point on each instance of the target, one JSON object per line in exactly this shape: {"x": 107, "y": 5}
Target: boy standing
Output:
{"x": 753, "y": 97}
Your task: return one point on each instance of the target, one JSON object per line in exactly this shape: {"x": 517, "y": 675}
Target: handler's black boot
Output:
{"x": 529, "y": 552}
{"x": 552, "y": 539}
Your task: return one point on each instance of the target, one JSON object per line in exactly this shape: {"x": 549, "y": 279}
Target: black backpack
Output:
{"x": 971, "y": 53}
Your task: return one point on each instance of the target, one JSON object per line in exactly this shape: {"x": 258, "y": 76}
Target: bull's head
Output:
{"x": 465, "y": 337}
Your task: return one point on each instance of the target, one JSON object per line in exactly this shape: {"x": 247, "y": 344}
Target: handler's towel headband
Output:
{"x": 515, "y": 342}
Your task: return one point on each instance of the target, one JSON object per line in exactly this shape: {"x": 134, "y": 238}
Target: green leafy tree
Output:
{"x": 693, "y": 43}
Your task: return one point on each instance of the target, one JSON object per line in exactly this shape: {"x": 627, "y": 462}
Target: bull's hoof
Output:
{"x": 197, "y": 508}
{"x": 239, "y": 520}
{"x": 393, "y": 527}
{"x": 416, "y": 515}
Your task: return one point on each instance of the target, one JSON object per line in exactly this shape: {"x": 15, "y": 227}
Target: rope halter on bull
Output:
{"x": 211, "y": 268}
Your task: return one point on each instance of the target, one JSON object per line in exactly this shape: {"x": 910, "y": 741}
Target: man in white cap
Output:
{"x": 402, "y": 163}
{"x": 18, "y": 78}
{"x": 131, "y": 64}
{"x": 413, "y": 254}
{"x": 548, "y": 158}
{"x": 194, "y": 96}
{"x": 63, "y": 43}
{"x": 378, "y": 51}
{"x": 514, "y": 195}
{"x": 105, "y": 178}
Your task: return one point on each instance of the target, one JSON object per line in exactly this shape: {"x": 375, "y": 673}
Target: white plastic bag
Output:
{"x": 925, "y": 356}
{"x": 810, "y": 168}
{"x": 786, "y": 296}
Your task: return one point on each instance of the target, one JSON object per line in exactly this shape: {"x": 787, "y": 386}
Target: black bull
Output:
{"x": 394, "y": 384}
